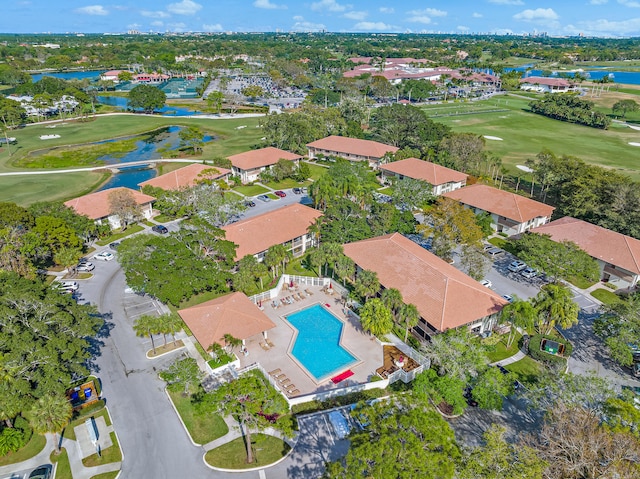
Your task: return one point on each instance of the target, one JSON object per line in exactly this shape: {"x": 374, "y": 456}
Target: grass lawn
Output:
{"x": 118, "y": 236}
{"x": 25, "y": 190}
{"x": 63, "y": 471}
{"x": 580, "y": 282}
{"x": 109, "y": 455}
{"x": 498, "y": 242}
{"x": 500, "y": 350}
{"x": 200, "y": 298}
{"x": 606, "y": 296}
{"x": 386, "y": 191}
{"x": 297, "y": 268}
{"x": 525, "y": 134}
{"x": 251, "y": 190}
{"x": 162, "y": 218}
{"x": 203, "y": 427}
{"x": 233, "y": 455}
{"x": 287, "y": 183}
{"x": 69, "y": 431}
{"x": 273, "y": 197}
{"x": 33, "y": 447}
{"x": 527, "y": 370}
{"x": 106, "y": 475}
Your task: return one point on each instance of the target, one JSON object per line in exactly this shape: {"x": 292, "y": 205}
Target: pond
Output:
{"x": 122, "y": 103}
{"x": 150, "y": 147}
{"x": 598, "y": 73}
{"x": 79, "y": 75}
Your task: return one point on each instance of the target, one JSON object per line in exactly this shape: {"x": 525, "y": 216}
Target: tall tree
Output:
{"x": 184, "y": 372}
{"x": 147, "y": 325}
{"x": 367, "y": 284}
{"x": 409, "y": 317}
{"x": 555, "y": 305}
{"x": 50, "y": 414}
{"x": 620, "y": 329}
{"x": 123, "y": 204}
{"x": 392, "y": 299}
{"x": 147, "y": 98}
{"x": 376, "y": 317}
{"x": 624, "y": 106}
{"x": 192, "y": 137}
{"x": 520, "y": 314}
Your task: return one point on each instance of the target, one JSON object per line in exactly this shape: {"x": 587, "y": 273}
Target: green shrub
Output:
{"x": 14, "y": 438}
{"x": 538, "y": 354}
{"x": 22, "y": 424}
{"x": 337, "y": 401}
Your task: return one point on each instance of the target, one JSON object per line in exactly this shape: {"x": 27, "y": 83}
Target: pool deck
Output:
{"x": 367, "y": 350}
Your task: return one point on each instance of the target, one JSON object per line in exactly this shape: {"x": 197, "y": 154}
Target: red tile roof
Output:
{"x": 598, "y": 242}
{"x": 253, "y": 159}
{"x": 445, "y": 297}
{"x": 187, "y": 176}
{"x": 259, "y": 233}
{"x": 500, "y": 202}
{"x": 425, "y": 171}
{"x": 97, "y": 205}
{"x": 546, "y": 81}
{"x": 353, "y": 146}
{"x": 233, "y": 314}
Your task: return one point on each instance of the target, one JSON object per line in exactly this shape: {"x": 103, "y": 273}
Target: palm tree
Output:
{"x": 555, "y": 305}
{"x": 275, "y": 256}
{"x": 409, "y": 316}
{"x": 345, "y": 268}
{"x": 392, "y": 299}
{"x": 367, "y": 284}
{"x": 315, "y": 229}
{"x": 331, "y": 253}
{"x": 169, "y": 324}
{"x": 147, "y": 325}
{"x": 521, "y": 314}
{"x": 376, "y": 317}
{"x": 50, "y": 414}
{"x": 231, "y": 342}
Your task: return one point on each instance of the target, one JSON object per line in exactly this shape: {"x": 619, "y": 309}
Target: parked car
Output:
{"x": 508, "y": 297}
{"x": 85, "y": 266}
{"x": 529, "y": 272}
{"x": 297, "y": 191}
{"x": 487, "y": 247}
{"x": 493, "y": 252}
{"x": 636, "y": 369}
{"x": 280, "y": 194}
{"x": 517, "y": 266}
{"x": 68, "y": 286}
{"x": 114, "y": 245}
{"x": 264, "y": 198}
{"x": 43, "y": 472}
{"x": 161, "y": 229}
{"x": 487, "y": 283}
{"x": 104, "y": 256}
{"x": 249, "y": 204}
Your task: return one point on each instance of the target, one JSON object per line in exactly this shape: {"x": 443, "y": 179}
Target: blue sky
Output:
{"x": 565, "y": 17}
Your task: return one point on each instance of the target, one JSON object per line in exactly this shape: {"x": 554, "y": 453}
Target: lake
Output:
{"x": 122, "y": 103}
{"x": 152, "y": 147}
{"x": 630, "y": 78}
{"x": 79, "y": 75}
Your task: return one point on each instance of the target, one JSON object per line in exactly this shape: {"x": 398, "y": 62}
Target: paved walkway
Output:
{"x": 510, "y": 360}
{"x": 39, "y": 459}
{"x": 235, "y": 431}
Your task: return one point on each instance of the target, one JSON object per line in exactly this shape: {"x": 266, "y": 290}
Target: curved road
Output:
{"x": 153, "y": 440}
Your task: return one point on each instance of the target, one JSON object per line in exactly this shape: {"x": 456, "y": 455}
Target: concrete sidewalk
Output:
{"x": 38, "y": 460}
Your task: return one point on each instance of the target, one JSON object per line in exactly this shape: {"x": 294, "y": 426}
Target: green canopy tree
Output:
{"x": 376, "y": 317}
{"x": 50, "y": 414}
{"x": 491, "y": 387}
{"x": 147, "y": 325}
{"x": 409, "y": 317}
{"x": 183, "y": 372}
{"x": 619, "y": 326}
{"x": 366, "y": 284}
{"x": 520, "y": 314}
{"x": 624, "y": 106}
{"x": 147, "y": 98}
{"x": 392, "y": 299}
{"x": 192, "y": 137}
{"x": 555, "y": 305}
{"x": 252, "y": 401}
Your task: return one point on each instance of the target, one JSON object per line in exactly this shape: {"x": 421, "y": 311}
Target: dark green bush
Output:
{"x": 337, "y": 401}
{"x": 536, "y": 353}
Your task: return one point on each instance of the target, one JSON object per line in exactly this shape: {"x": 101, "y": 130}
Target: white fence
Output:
{"x": 287, "y": 279}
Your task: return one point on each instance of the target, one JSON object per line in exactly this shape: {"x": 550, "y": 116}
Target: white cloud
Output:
{"x": 507, "y": 2}
{"x": 536, "y": 16}
{"x": 477, "y": 15}
{"x": 156, "y": 14}
{"x": 212, "y": 28}
{"x": 268, "y": 5}
{"x": 92, "y": 10}
{"x": 373, "y": 26}
{"x": 303, "y": 26}
{"x": 387, "y": 10}
{"x": 157, "y": 23}
{"x": 328, "y": 5}
{"x": 185, "y": 7}
{"x": 298, "y": 18}
{"x": 462, "y": 28}
{"x": 134, "y": 26}
{"x": 355, "y": 15}
{"x": 176, "y": 27}
{"x": 420, "y": 19}
{"x": 629, "y": 3}
{"x": 432, "y": 12}
{"x": 598, "y": 2}
{"x": 604, "y": 27}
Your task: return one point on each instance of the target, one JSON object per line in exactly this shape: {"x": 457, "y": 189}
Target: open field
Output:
{"x": 525, "y": 134}
{"x": 28, "y": 189}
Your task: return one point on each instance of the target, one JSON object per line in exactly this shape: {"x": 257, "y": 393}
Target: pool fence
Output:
{"x": 286, "y": 279}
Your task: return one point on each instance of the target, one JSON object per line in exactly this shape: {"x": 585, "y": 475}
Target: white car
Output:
{"x": 104, "y": 256}
{"x": 487, "y": 283}
{"x": 529, "y": 272}
{"x": 68, "y": 286}
{"x": 517, "y": 266}
{"x": 85, "y": 266}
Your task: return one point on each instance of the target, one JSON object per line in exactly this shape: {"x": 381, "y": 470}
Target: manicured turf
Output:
{"x": 106, "y": 475}
{"x": 233, "y": 455}
{"x": 525, "y": 134}
{"x": 500, "y": 350}
{"x": 108, "y": 455}
{"x": 69, "y": 431}
{"x": 120, "y": 234}
{"x": 606, "y": 296}
{"x": 202, "y": 427}
{"x": 580, "y": 282}
{"x": 251, "y": 190}
{"x": 63, "y": 470}
{"x": 527, "y": 370}
{"x": 33, "y": 447}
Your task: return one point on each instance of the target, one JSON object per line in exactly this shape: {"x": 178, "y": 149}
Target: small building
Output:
{"x": 187, "y": 176}
{"x": 617, "y": 255}
{"x": 546, "y": 85}
{"x": 97, "y": 206}
{"x": 250, "y": 164}
{"x": 233, "y": 314}
{"x": 446, "y": 298}
{"x": 441, "y": 178}
{"x": 151, "y": 78}
{"x": 510, "y": 213}
{"x": 113, "y": 75}
{"x": 352, "y": 149}
{"x": 287, "y": 226}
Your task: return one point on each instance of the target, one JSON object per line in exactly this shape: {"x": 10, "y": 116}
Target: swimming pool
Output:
{"x": 317, "y": 346}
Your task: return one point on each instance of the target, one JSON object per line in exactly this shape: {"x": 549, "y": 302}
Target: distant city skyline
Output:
{"x": 609, "y": 18}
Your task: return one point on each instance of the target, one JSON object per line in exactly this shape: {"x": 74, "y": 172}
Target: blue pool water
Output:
{"x": 317, "y": 345}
